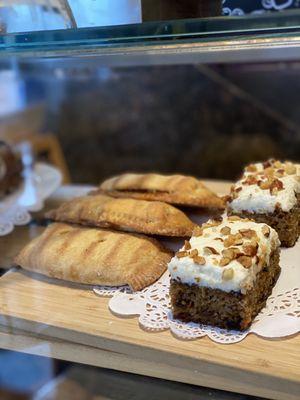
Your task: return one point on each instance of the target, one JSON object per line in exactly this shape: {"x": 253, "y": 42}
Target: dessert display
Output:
{"x": 95, "y": 256}
{"x": 269, "y": 192}
{"x": 172, "y": 189}
{"x": 10, "y": 170}
{"x": 224, "y": 274}
{"x": 221, "y": 277}
{"x": 149, "y": 217}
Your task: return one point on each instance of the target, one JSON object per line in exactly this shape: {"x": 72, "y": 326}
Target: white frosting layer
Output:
{"x": 211, "y": 274}
{"x": 252, "y": 198}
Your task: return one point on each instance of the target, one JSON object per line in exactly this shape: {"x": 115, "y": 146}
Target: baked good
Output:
{"x": 225, "y": 273}
{"x": 269, "y": 192}
{"x": 173, "y": 189}
{"x": 95, "y": 256}
{"x": 151, "y": 217}
{"x": 10, "y": 170}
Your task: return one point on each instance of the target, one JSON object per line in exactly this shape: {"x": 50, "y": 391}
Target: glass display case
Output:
{"x": 94, "y": 89}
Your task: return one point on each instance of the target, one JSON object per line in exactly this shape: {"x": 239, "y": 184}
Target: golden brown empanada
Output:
{"x": 95, "y": 256}
{"x": 151, "y": 217}
{"x": 173, "y": 189}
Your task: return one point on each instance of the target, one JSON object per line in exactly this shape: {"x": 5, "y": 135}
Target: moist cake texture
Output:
{"x": 269, "y": 193}
{"x": 225, "y": 273}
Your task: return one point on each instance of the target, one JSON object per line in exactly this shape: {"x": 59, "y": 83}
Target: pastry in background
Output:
{"x": 10, "y": 170}
{"x": 149, "y": 217}
{"x": 95, "y": 256}
{"x": 174, "y": 189}
{"x": 225, "y": 273}
{"x": 269, "y": 192}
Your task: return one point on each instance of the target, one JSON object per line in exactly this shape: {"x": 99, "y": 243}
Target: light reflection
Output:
{"x": 29, "y": 195}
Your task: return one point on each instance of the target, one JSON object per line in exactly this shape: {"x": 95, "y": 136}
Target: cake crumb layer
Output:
{"x": 191, "y": 303}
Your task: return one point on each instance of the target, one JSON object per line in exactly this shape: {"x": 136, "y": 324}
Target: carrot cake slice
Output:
{"x": 224, "y": 274}
{"x": 269, "y": 192}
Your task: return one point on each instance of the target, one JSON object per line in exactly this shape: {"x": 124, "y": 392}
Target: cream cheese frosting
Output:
{"x": 204, "y": 260}
{"x": 265, "y": 186}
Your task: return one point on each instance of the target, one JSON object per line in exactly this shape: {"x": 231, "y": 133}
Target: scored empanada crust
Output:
{"x": 173, "y": 189}
{"x": 95, "y": 256}
{"x": 149, "y": 217}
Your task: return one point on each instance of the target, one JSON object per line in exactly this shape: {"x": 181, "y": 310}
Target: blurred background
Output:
{"x": 92, "y": 119}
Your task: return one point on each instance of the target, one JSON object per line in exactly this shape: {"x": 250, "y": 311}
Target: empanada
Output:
{"x": 151, "y": 217}
{"x": 173, "y": 189}
{"x": 95, "y": 256}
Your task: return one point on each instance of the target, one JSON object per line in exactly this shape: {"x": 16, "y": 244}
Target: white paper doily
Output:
{"x": 39, "y": 183}
{"x": 280, "y": 318}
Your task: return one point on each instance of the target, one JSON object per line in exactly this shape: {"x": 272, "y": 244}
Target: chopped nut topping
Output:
{"x": 225, "y": 230}
{"x": 193, "y": 253}
{"x": 211, "y": 224}
{"x": 279, "y": 173}
{"x": 248, "y": 233}
{"x": 232, "y": 253}
{"x": 199, "y": 260}
{"x": 245, "y": 261}
{"x": 175, "y": 268}
{"x": 250, "y": 180}
{"x": 268, "y": 163}
{"x": 229, "y": 253}
{"x": 221, "y": 240}
{"x": 275, "y": 186}
{"x": 277, "y": 164}
{"x": 209, "y": 250}
{"x": 251, "y": 168}
{"x": 197, "y": 279}
{"x": 266, "y": 230}
{"x": 231, "y": 240}
{"x": 264, "y": 185}
{"x": 228, "y": 274}
{"x": 269, "y": 172}
{"x": 234, "y": 218}
{"x": 224, "y": 261}
{"x": 197, "y": 231}
{"x": 187, "y": 245}
{"x": 227, "y": 199}
{"x": 290, "y": 169}
{"x": 250, "y": 250}
{"x": 277, "y": 206}
{"x": 181, "y": 254}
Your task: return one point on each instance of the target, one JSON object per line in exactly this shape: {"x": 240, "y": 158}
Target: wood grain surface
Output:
{"x": 71, "y": 313}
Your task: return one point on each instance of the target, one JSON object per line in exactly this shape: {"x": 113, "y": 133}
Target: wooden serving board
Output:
{"x": 69, "y": 322}
{"x": 78, "y": 326}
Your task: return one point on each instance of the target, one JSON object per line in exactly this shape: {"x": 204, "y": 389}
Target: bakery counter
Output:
{"x": 68, "y": 322}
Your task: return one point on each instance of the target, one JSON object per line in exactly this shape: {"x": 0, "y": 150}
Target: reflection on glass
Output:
{"x": 105, "y": 12}
{"x": 12, "y": 92}
{"x": 37, "y": 15}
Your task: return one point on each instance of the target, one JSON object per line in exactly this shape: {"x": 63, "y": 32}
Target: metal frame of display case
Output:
{"x": 271, "y": 37}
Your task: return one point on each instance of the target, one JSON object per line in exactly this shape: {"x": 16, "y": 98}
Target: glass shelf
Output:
{"x": 244, "y": 38}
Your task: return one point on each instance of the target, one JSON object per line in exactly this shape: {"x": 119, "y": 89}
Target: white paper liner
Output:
{"x": 280, "y": 318}
{"x": 38, "y": 184}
